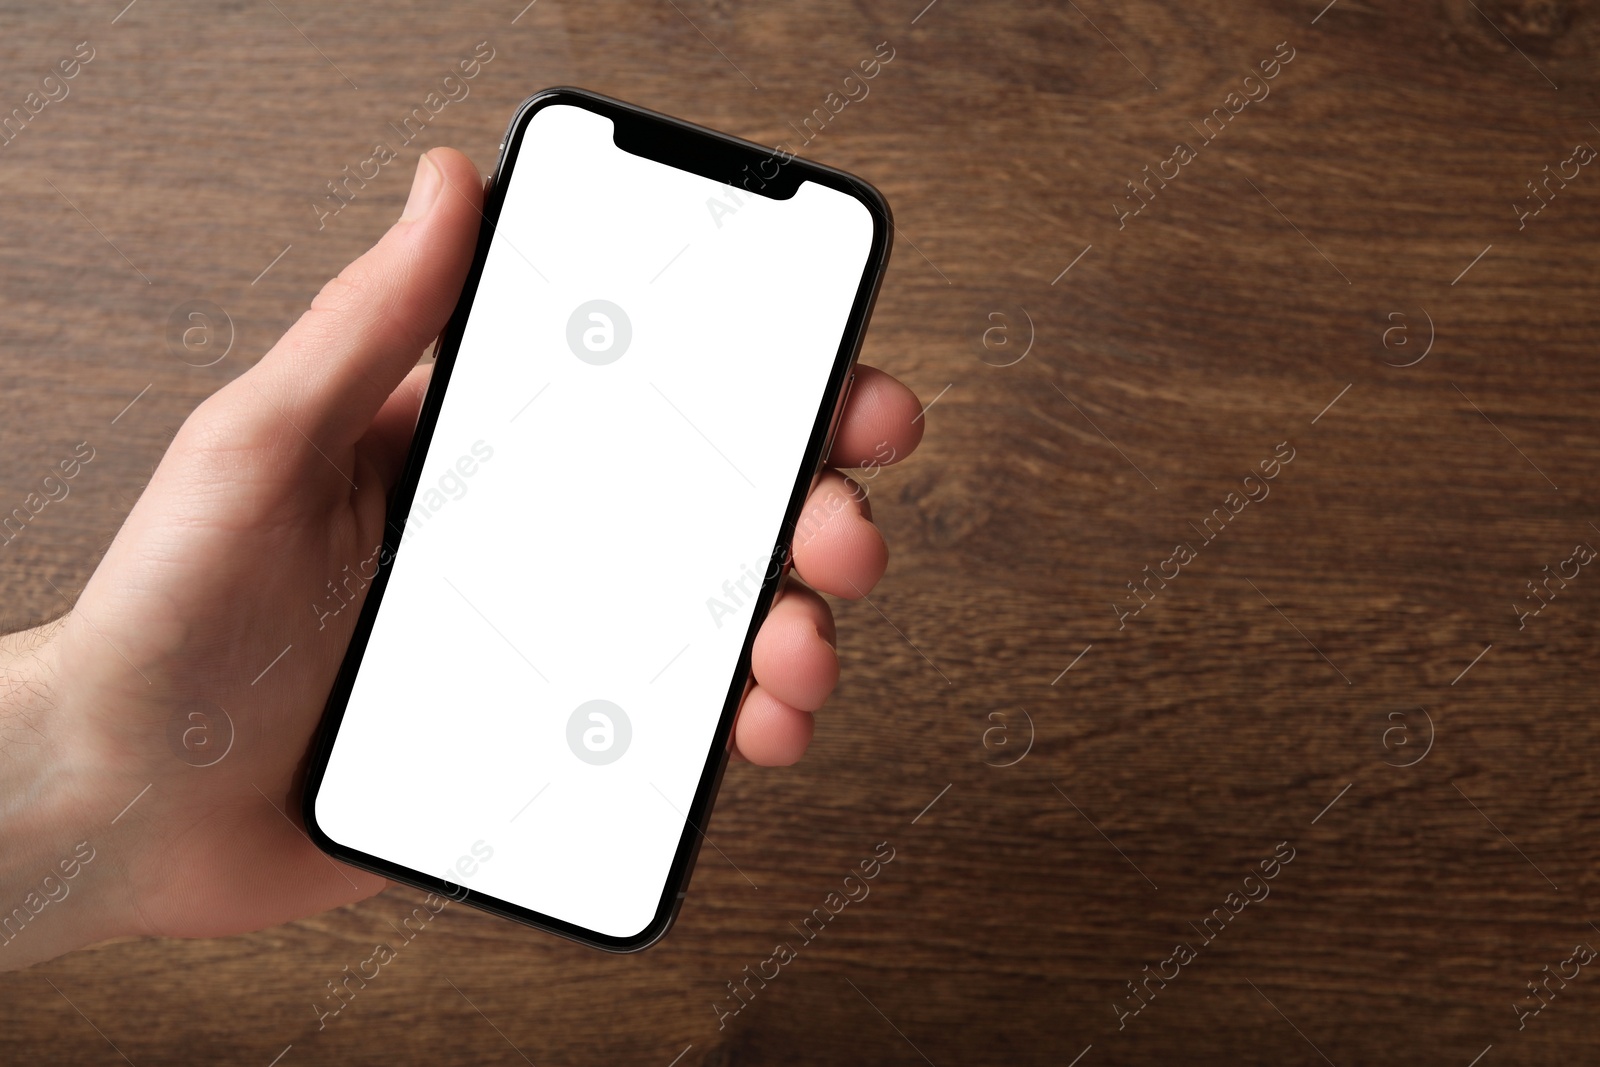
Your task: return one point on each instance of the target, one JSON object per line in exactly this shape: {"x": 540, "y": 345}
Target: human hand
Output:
{"x": 199, "y": 610}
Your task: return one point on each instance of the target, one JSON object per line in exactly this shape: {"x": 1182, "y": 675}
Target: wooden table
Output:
{"x": 1343, "y": 264}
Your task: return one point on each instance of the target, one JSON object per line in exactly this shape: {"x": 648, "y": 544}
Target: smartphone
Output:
{"x": 650, "y": 356}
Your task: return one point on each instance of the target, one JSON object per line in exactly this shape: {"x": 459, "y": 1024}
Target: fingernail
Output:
{"x": 425, "y": 188}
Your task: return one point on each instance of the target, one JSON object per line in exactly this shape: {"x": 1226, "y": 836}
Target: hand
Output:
{"x": 272, "y": 486}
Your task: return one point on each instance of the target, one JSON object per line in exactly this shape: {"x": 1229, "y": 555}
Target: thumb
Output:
{"x": 331, "y": 373}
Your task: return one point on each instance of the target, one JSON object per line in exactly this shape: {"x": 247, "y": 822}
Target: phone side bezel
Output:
{"x": 715, "y": 150}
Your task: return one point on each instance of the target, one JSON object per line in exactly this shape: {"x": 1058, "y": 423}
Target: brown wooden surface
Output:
{"x": 1174, "y": 356}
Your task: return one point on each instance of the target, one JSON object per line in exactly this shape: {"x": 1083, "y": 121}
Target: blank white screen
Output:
{"x": 571, "y": 555}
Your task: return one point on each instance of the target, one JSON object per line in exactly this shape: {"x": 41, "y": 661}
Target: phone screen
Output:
{"x": 627, "y": 418}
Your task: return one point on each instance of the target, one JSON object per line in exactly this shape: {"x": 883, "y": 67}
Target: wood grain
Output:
{"x": 1251, "y": 702}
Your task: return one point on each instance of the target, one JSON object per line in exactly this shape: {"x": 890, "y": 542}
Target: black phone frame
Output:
{"x": 709, "y": 153}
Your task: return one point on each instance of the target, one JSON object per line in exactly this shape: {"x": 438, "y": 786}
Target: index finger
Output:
{"x": 882, "y": 422}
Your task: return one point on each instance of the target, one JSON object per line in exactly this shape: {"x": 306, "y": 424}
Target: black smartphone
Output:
{"x": 643, "y": 375}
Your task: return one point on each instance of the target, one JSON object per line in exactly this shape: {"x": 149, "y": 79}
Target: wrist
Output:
{"x": 58, "y": 886}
